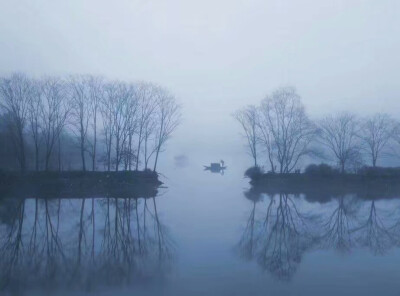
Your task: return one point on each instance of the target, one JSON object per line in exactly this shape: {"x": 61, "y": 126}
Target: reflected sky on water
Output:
{"x": 202, "y": 234}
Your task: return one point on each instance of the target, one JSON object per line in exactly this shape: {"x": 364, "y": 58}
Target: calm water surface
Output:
{"x": 205, "y": 234}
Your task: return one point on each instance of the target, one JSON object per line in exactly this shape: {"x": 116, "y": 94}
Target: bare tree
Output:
{"x": 124, "y": 112}
{"x": 96, "y": 95}
{"x": 339, "y": 134}
{"x": 146, "y": 94}
{"x": 132, "y": 122}
{"x": 15, "y": 96}
{"x": 248, "y": 119}
{"x": 375, "y": 133}
{"x": 81, "y": 112}
{"x": 287, "y": 126}
{"x": 396, "y": 140}
{"x": 36, "y": 126}
{"x": 119, "y": 121}
{"x": 54, "y": 113}
{"x": 107, "y": 111}
{"x": 86, "y": 96}
{"x": 136, "y": 118}
{"x": 149, "y": 131}
{"x": 266, "y": 139}
{"x": 118, "y": 108}
{"x": 168, "y": 118}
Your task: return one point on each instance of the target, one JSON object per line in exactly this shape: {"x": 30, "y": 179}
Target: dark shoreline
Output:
{"x": 77, "y": 184}
{"x": 324, "y": 188}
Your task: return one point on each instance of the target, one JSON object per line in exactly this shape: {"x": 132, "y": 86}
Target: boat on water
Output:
{"x": 216, "y": 167}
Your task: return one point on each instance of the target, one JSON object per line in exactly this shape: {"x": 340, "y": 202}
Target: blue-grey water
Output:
{"x": 204, "y": 234}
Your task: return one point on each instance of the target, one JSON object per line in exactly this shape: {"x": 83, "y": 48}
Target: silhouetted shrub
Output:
{"x": 379, "y": 172}
{"x": 254, "y": 172}
{"x": 148, "y": 173}
{"x": 321, "y": 170}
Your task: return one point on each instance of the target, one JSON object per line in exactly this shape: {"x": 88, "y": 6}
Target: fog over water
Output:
{"x": 216, "y": 57}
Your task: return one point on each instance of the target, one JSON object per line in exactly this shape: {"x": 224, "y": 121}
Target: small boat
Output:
{"x": 216, "y": 167}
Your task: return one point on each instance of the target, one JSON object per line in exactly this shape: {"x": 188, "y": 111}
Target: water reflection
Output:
{"x": 278, "y": 237}
{"x": 374, "y": 235}
{"x": 81, "y": 242}
{"x": 216, "y": 167}
{"x": 282, "y": 227}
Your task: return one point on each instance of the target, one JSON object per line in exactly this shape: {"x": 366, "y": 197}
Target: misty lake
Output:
{"x": 116, "y": 117}
{"x": 203, "y": 234}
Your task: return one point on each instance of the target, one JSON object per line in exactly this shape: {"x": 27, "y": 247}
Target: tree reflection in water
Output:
{"x": 279, "y": 231}
{"x": 374, "y": 235}
{"x": 81, "y": 243}
{"x": 285, "y": 237}
{"x": 279, "y": 238}
{"x": 249, "y": 240}
{"x": 337, "y": 228}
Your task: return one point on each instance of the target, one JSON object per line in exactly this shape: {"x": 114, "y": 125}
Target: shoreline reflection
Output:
{"x": 283, "y": 227}
{"x": 81, "y": 243}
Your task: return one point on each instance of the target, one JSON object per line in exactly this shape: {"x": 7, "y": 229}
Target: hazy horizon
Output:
{"x": 216, "y": 56}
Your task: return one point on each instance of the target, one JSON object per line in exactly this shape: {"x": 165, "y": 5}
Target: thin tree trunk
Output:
{"x": 94, "y": 141}
{"x": 23, "y": 159}
{"x": 109, "y": 154}
{"x": 374, "y": 159}
{"x": 145, "y": 154}
{"x": 36, "y": 157}
{"x": 117, "y": 155}
{"x": 130, "y": 152}
{"x": 138, "y": 149}
{"x": 59, "y": 154}
{"x": 156, "y": 160}
{"x": 83, "y": 154}
{"x": 47, "y": 161}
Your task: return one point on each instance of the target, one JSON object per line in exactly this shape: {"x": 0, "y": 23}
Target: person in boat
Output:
{"x": 216, "y": 166}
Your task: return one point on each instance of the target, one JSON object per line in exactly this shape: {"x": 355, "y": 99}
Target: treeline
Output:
{"x": 280, "y": 132}
{"x": 83, "y": 121}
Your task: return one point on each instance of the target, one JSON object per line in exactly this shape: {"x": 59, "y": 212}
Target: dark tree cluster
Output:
{"x": 56, "y": 123}
{"x": 280, "y": 132}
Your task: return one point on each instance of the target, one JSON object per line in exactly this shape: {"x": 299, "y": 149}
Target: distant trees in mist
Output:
{"x": 58, "y": 123}
{"x": 280, "y": 132}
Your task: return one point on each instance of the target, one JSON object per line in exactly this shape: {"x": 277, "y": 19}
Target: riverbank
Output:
{"x": 323, "y": 188}
{"x": 321, "y": 182}
{"x": 79, "y": 184}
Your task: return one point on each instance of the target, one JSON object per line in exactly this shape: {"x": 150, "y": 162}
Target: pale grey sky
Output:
{"x": 216, "y": 56}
